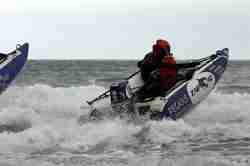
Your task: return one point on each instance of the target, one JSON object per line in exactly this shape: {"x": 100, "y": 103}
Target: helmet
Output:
{"x": 164, "y": 44}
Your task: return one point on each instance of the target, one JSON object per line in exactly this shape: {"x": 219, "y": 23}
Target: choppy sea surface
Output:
{"x": 45, "y": 103}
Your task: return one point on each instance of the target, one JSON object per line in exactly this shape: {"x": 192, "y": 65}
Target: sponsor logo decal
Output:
{"x": 200, "y": 86}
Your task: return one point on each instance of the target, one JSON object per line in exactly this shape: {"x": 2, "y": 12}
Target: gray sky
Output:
{"x": 125, "y": 29}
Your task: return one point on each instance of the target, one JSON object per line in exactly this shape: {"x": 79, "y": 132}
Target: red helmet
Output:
{"x": 164, "y": 44}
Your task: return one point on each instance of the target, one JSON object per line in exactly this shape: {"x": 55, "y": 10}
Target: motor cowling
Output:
{"x": 118, "y": 92}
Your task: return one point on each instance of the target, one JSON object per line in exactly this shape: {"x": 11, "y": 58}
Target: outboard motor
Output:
{"x": 118, "y": 92}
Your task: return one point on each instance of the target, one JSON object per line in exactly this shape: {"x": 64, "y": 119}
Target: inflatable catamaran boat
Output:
{"x": 196, "y": 79}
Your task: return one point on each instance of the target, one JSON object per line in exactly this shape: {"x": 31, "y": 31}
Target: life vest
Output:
{"x": 151, "y": 62}
{"x": 168, "y": 72}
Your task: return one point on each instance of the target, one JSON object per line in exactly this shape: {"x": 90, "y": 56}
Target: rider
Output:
{"x": 158, "y": 70}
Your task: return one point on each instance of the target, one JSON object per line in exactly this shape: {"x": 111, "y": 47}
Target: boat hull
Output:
{"x": 191, "y": 93}
{"x": 12, "y": 65}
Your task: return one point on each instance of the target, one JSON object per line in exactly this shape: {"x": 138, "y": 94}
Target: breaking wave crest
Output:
{"x": 40, "y": 119}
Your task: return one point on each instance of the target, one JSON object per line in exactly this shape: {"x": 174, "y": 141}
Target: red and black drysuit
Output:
{"x": 158, "y": 71}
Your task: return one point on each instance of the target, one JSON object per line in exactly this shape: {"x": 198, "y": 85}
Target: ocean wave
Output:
{"x": 48, "y": 119}
{"x": 232, "y": 88}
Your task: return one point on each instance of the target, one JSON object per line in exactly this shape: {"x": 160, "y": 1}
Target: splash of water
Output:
{"x": 48, "y": 120}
